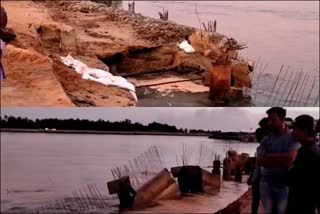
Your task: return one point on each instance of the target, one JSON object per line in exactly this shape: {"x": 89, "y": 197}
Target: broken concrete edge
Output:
{"x": 219, "y": 40}
{"x": 66, "y": 38}
{"x": 162, "y": 186}
{"x": 235, "y": 165}
{"x": 115, "y": 186}
{"x": 237, "y": 206}
{"x": 152, "y": 189}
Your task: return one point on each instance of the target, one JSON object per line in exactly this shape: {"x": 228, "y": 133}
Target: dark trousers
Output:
{"x": 298, "y": 204}
{"x": 255, "y": 197}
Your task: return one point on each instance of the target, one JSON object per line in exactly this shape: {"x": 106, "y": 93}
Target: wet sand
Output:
{"x": 200, "y": 203}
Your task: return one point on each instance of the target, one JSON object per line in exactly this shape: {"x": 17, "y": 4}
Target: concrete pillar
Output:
{"x": 153, "y": 189}
{"x": 220, "y": 81}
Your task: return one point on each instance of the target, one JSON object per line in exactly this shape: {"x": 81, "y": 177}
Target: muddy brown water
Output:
{"x": 280, "y": 32}
{"x": 37, "y": 168}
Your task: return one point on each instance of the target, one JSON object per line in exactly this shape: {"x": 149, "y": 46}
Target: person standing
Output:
{"x": 304, "y": 175}
{"x": 3, "y": 24}
{"x": 318, "y": 132}
{"x": 6, "y": 36}
{"x": 275, "y": 155}
{"x": 254, "y": 179}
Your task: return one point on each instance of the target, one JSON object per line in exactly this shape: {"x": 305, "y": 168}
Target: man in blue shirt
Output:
{"x": 275, "y": 155}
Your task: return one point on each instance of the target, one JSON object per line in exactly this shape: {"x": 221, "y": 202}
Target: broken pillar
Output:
{"x": 211, "y": 180}
{"x": 123, "y": 188}
{"x": 216, "y": 167}
{"x": 189, "y": 178}
{"x": 240, "y": 75}
{"x": 227, "y": 168}
{"x": 232, "y": 154}
{"x": 171, "y": 192}
{"x": 150, "y": 191}
{"x": 220, "y": 81}
{"x": 238, "y": 173}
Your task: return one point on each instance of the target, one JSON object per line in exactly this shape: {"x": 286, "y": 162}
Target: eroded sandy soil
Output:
{"x": 98, "y": 36}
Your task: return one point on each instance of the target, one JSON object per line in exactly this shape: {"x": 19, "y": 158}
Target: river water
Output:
{"x": 37, "y": 168}
{"x": 279, "y": 32}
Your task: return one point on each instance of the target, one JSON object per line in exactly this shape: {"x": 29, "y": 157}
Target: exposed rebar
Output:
{"x": 273, "y": 87}
{"x": 280, "y": 85}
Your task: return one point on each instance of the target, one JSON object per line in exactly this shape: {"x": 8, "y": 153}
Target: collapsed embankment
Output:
{"x": 101, "y": 37}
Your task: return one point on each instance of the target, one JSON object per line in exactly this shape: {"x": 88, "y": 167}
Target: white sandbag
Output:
{"x": 98, "y": 75}
{"x": 76, "y": 64}
{"x": 186, "y": 47}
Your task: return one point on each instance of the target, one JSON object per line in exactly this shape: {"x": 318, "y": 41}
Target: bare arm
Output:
{"x": 283, "y": 160}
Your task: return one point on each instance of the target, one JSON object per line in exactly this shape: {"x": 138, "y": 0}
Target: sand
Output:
{"x": 93, "y": 33}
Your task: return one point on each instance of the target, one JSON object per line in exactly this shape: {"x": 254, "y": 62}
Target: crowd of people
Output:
{"x": 286, "y": 178}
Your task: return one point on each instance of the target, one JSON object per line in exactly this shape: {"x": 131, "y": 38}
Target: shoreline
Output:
{"x": 99, "y": 132}
{"x": 209, "y": 136}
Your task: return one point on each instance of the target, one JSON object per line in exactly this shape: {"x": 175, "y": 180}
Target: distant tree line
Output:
{"x": 11, "y": 122}
{"x": 83, "y": 124}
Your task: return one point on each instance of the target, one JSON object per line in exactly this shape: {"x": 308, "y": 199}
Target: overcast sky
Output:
{"x": 196, "y": 118}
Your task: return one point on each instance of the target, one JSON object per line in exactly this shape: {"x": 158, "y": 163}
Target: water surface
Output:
{"x": 36, "y": 168}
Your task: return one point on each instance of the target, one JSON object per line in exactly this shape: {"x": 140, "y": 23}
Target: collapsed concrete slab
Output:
{"x": 153, "y": 189}
{"x": 193, "y": 179}
{"x": 163, "y": 186}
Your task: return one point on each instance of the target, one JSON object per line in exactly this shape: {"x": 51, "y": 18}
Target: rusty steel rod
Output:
{"x": 299, "y": 90}
{"x": 302, "y": 93}
{"x": 285, "y": 89}
{"x": 295, "y": 89}
{"x": 280, "y": 85}
{"x": 313, "y": 84}
{"x": 292, "y": 86}
{"x": 273, "y": 87}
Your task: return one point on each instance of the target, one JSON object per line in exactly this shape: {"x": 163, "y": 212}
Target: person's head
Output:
{"x": 3, "y": 18}
{"x": 289, "y": 122}
{"x": 318, "y": 126}
{"x": 263, "y": 123}
{"x": 263, "y": 130}
{"x": 276, "y": 117}
{"x": 303, "y": 128}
